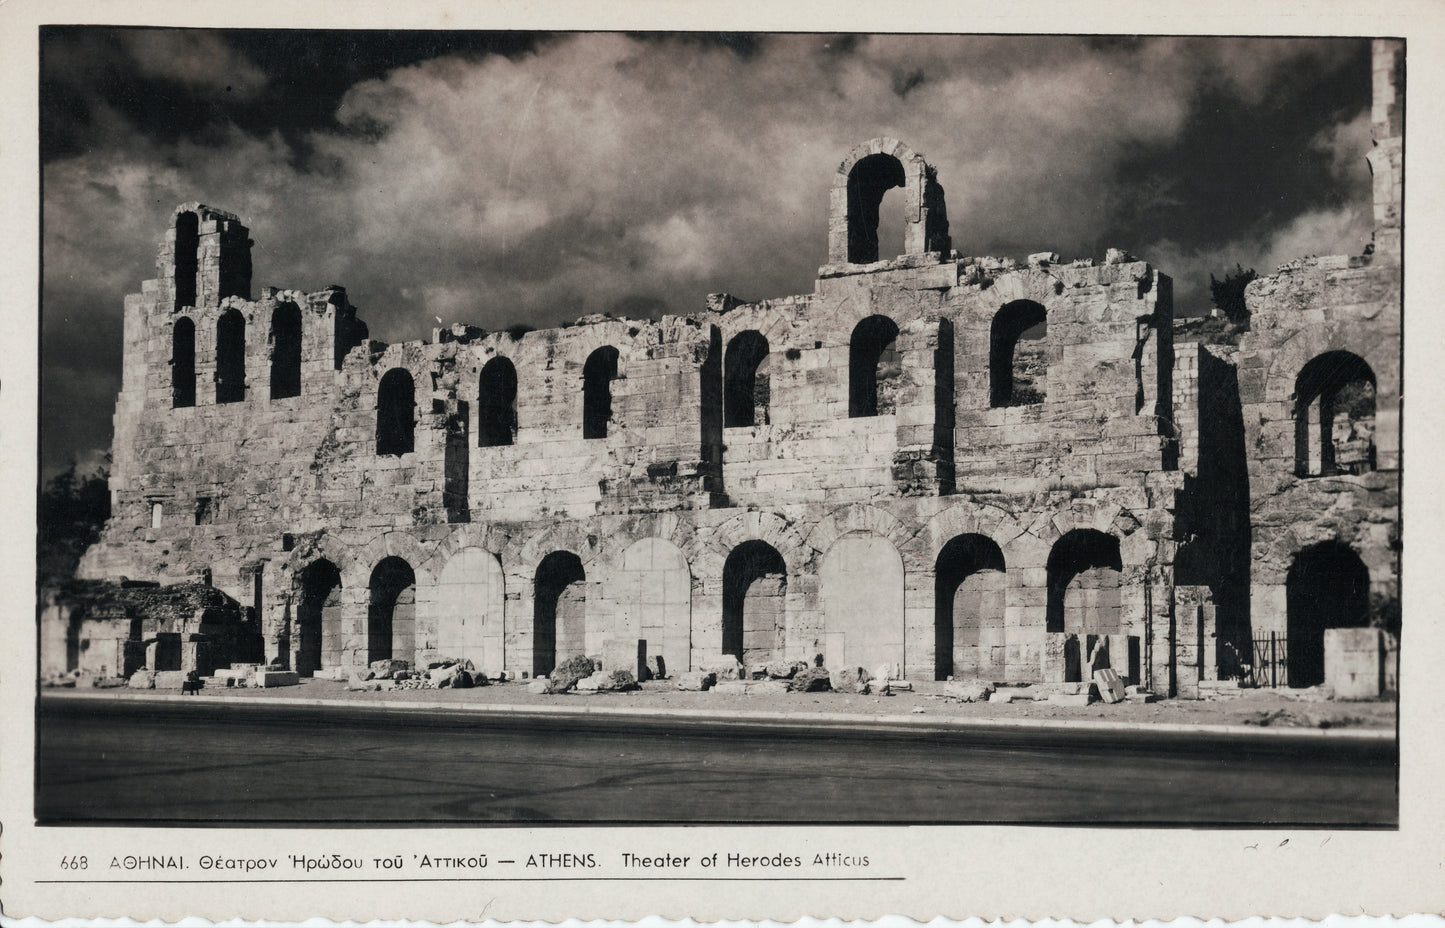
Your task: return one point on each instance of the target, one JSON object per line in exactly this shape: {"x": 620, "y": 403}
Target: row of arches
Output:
{"x": 652, "y": 595}
{"x": 230, "y": 374}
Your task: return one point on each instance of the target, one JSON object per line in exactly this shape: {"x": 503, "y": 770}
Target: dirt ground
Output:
{"x": 1265, "y": 708}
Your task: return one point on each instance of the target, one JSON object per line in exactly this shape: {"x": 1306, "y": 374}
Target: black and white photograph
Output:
{"x": 525, "y": 432}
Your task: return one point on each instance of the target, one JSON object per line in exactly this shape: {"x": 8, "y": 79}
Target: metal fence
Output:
{"x": 1269, "y": 665}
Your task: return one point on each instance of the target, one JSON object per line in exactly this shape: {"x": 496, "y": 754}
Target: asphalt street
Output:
{"x": 134, "y": 762}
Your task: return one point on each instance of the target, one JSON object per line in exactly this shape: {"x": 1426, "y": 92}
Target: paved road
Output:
{"x": 128, "y": 761}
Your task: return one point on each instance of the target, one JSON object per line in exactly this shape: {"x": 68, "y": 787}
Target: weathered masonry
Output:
{"x": 958, "y": 466}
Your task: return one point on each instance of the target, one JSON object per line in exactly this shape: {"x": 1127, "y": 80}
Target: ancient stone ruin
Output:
{"x": 947, "y": 465}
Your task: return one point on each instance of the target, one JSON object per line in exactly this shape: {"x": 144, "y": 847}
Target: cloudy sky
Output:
{"x": 497, "y": 178}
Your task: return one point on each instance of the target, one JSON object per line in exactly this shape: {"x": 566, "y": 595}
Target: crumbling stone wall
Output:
{"x": 1292, "y": 438}
{"x": 579, "y": 489}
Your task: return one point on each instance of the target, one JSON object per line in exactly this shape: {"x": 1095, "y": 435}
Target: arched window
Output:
{"x": 870, "y": 178}
{"x": 1083, "y": 584}
{"x": 186, "y": 259}
{"x": 873, "y": 366}
{"x": 395, "y": 413}
{"x": 745, "y": 381}
{"x": 497, "y": 404}
{"x": 1334, "y": 416}
{"x": 183, "y": 363}
{"x": 1017, "y": 364}
{"x": 231, "y": 357}
{"x": 597, "y": 376}
{"x": 285, "y": 351}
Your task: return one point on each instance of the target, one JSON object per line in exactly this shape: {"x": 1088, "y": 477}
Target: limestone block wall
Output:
{"x": 954, "y": 466}
{"x": 1328, "y": 312}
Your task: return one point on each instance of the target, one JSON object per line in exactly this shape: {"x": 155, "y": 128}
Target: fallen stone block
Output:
{"x": 730, "y": 687}
{"x": 538, "y": 686}
{"x": 811, "y": 680}
{"x": 449, "y": 676}
{"x": 882, "y": 674}
{"x": 1000, "y": 696}
{"x": 617, "y": 681}
{"x": 273, "y": 678}
{"x": 387, "y": 667}
{"x": 566, "y": 675}
{"x": 965, "y": 691}
{"x": 767, "y": 687}
{"x": 330, "y": 673}
{"x": 169, "y": 679}
{"x": 1111, "y": 688}
{"x": 1065, "y": 699}
{"x": 723, "y": 668}
{"x": 784, "y": 670}
{"x": 1012, "y": 693}
{"x": 590, "y": 684}
{"x": 1141, "y": 696}
{"x": 849, "y": 680}
{"x": 360, "y": 683}
{"x": 901, "y": 686}
{"x": 695, "y": 680}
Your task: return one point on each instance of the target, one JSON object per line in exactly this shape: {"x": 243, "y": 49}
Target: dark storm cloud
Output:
{"x": 499, "y": 178}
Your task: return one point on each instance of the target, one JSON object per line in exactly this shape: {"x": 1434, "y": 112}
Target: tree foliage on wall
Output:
{"x": 72, "y": 509}
{"x": 1228, "y": 294}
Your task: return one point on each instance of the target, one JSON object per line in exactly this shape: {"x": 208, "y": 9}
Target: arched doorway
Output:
{"x": 969, "y": 607}
{"x": 391, "y": 612}
{"x": 861, "y": 578}
{"x": 1083, "y": 584}
{"x": 652, "y": 589}
{"x": 755, "y": 587}
{"x": 1327, "y": 586}
{"x": 559, "y": 618}
{"x": 318, "y": 617}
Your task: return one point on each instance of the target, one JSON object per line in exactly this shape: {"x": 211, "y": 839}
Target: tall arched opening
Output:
{"x": 1327, "y": 586}
{"x": 870, "y": 178}
{"x": 873, "y": 367}
{"x": 186, "y": 257}
{"x": 861, "y": 578}
{"x": 470, "y": 594}
{"x": 318, "y": 617}
{"x": 391, "y": 611}
{"x": 969, "y": 604}
{"x": 183, "y": 363}
{"x": 597, "y": 376}
{"x": 559, "y": 603}
{"x": 285, "y": 351}
{"x": 497, "y": 404}
{"x": 746, "y": 387}
{"x": 755, "y": 587}
{"x": 395, "y": 413}
{"x": 1017, "y": 362}
{"x": 1334, "y": 416}
{"x": 1083, "y": 584}
{"x": 231, "y": 357}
